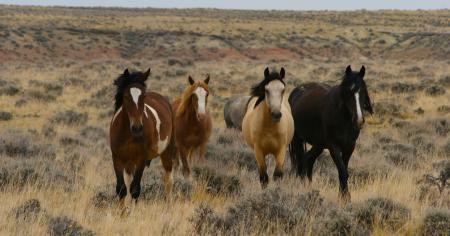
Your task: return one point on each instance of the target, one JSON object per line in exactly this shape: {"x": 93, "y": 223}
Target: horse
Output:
{"x": 234, "y": 111}
{"x": 268, "y": 126}
{"x": 140, "y": 130}
{"x": 328, "y": 118}
{"x": 192, "y": 121}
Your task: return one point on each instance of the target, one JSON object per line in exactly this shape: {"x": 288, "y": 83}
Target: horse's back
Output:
{"x": 308, "y": 103}
{"x": 234, "y": 111}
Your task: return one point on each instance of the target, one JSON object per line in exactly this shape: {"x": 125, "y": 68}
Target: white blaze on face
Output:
{"x": 135, "y": 93}
{"x": 162, "y": 143}
{"x": 201, "y": 97}
{"x": 358, "y": 109}
{"x": 128, "y": 178}
{"x": 274, "y": 95}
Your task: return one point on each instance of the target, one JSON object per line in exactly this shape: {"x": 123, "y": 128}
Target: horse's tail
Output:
{"x": 297, "y": 149}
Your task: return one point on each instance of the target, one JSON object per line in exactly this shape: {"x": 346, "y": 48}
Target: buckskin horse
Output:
{"x": 193, "y": 123}
{"x": 328, "y": 118}
{"x": 140, "y": 130}
{"x": 268, "y": 126}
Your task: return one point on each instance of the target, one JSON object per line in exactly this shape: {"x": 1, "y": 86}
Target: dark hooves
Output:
{"x": 264, "y": 180}
{"x": 277, "y": 175}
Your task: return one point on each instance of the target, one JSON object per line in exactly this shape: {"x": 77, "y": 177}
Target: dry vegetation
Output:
{"x": 56, "y": 73}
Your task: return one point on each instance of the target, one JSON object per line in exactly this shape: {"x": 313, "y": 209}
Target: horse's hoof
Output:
{"x": 264, "y": 180}
{"x": 277, "y": 175}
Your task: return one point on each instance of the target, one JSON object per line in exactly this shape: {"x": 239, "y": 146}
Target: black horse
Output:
{"x": 328, "y": 118}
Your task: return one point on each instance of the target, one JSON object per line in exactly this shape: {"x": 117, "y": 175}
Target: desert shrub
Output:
{"x": 9, "y": 90}
{"x": 434, "y": 90}
{"x": 29, "y": 210}
{"x": 387, "y": 108}
{"x": 206, "y": 221}
{"x": 70, "y": 117}
{"x": 16, "y": 143}
{"x": 444, "y": 109}
{"x": 388, "y": 213}
{"x": 441, "y": 126}
{"x": 152, "y": 187}
{"x": 93, "y": 133}
{"x": 242, "y": 156}
{"x": 445, "y": 80}
{"x": 41, "y": 96}
{"x": 337, "y": 222}
{"x": 48, "y": 130}
{"x": 217, "y": 183}
{"x": 366, "y": 174}
{"x": 269, "y": 212}
{"x": 104, "y": 197}
{"x": 70, "y": 140}
{"x": 63, "y": 225}
{"x": 403, "y": 88}
{"x": 4, "y": 116}
{"x": 20, "y": 102}
{"x": 436, "y": 222}
{"x": 226, "y": 138}
{"x": 404, "y": 155}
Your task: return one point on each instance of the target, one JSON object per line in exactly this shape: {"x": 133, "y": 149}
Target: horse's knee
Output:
{"x": 278, "y": 174}
{"x": 263, "y": 179}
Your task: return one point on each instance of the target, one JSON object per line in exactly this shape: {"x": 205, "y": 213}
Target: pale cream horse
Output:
{"x": 268, "y": 126}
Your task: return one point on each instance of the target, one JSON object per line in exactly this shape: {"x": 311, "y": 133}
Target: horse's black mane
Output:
{"x": 123, "y": 81}
{"x": 259, "y": 90}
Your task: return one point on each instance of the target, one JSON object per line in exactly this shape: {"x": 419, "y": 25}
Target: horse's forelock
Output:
{"x": 122, "y": 82}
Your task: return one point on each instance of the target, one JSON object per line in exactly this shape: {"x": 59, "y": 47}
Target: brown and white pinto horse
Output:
{"x": 140, "y": 131}
{"x": 192, "y": 122}
{"x": 268, "y": 126}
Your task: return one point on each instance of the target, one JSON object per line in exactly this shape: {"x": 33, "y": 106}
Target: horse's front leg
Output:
{"x": 202, "y": 152}
{"x": 184, "y": 153}
{"x": 261, "y": 160}
{"x": 336, "y": 154}
{"x": 135, "y": 190}
{"x": 280, "y": 157}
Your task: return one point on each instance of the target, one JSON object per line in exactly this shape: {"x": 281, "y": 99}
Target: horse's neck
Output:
{"x": 189, "y": 112}
{"x": 266, "y": 116}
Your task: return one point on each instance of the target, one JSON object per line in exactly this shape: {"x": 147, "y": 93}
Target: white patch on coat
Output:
{"x": 201, "y": 97}
{"x": 358, "y": 108}
{"x": 275, "y": 95}
{"x": 135, "y": 93}
{"x": 162, "y": 143}
{"x": 116, "y": 114}
{"x": 128, "y": 178}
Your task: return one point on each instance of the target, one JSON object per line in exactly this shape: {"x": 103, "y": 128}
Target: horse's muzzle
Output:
{"x": 276, "y": 116}
{"x": 137, "y": 130}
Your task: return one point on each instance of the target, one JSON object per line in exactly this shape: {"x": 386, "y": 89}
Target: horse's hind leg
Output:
{"x": 310, "y": 158}
{"x": 166, "y": 159}
{"x": 278, "y": 173}
{"x": 184, "y": 159}
{"x": 261, "y": 160}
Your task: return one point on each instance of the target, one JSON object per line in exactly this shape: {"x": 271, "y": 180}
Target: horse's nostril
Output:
{"x": 137, "y": 128}
{"x": 276, "y": 115}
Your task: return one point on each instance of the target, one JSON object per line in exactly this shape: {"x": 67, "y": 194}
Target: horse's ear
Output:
{"x": 207, "y": 79}
{"x": 126, "y": 72}
{"x": 282, "y": 73}
{"x": 191, "y": 80}
{"x": 348, "y": 70}
{"x": 146, "y": 74}
{"x": 362, "y": 71}
{"x": 266, "y": 72}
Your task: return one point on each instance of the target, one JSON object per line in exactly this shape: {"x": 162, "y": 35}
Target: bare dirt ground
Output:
{"x": 56, "y": 73}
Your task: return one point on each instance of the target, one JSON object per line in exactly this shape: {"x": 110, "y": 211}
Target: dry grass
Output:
{"x": 56, "y": 77}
